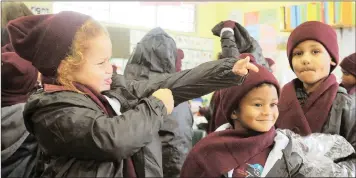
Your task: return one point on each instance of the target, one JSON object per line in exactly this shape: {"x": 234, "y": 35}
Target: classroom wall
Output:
{"x": 284, "y": 73}
{"x": 209, "y": 14}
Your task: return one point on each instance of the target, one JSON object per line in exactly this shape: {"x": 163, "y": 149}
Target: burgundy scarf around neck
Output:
{"x": 225, "y": 150}
{"x": 312, "y": 116}
{"x": 102, "y": 102}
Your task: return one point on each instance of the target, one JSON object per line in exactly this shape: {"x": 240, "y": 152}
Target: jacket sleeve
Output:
{"x": 77, "y": 131}
{"x": 228, "y": 44}
{"x": 191, "y": 83}
{"x": 230, "y": 48}
{"x": 348, "y": 125}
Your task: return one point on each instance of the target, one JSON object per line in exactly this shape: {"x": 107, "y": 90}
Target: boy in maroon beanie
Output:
{"x": 314, "y": 102}
{"x": 249, "y": 146}
{"x": 348, "y": 68}
{"x": 235, "y": 41}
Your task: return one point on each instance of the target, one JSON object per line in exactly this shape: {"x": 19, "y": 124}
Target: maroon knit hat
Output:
{"x": 18, "y": 77}
{"x": 180, "y": 57}
{"x": 318, "y": 31}
{"x": 349, "y": 64}
{"x": 45, "y": 40}
{"x": 270, "y": 61}
{"x": 231, "y": 97}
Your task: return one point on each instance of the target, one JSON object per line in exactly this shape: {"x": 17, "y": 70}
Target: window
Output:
{"x": 98, "y": 10}
{"x": 173, "y": 16}
{"x": 133, "y": 14}
{"x": 180, "y": 18}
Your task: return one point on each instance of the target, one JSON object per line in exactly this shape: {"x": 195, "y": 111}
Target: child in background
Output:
{"x": 314, "y": 102}
{"x": 176, "y": 131}
{"x": 249, "y": 146}
{"x": 348, "y": 67}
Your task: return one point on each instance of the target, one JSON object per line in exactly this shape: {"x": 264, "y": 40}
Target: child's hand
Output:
{"x": 242, "y": 66}
{"x": 165, "y": 95}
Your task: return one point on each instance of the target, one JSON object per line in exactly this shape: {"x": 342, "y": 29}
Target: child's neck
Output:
{"x": 244, "y": 130}
{"x": 310, "y": 88}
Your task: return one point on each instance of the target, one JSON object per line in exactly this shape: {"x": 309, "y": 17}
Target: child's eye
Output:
{"x": 101, "y": 63}
{"x": 316, "y": 51}
{"x": 258, "y": 105}
{"x": 274, "y": 104}
{"x": 297, "y": 53}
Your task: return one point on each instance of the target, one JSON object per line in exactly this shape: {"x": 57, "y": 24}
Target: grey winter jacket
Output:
{"x": 80, "y": 140}
{"x": 316, "y": 155}
{"x": 156, "y": 55}
{"x": 19, "y": 149}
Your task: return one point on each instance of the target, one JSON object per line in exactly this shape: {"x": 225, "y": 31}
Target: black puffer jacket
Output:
{"x": 156, "y": 55}
{"x": 80, "y": 140}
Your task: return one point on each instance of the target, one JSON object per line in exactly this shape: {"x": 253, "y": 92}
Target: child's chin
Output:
{"x": 106, "y": 88}
{"x": 264, "y": 129}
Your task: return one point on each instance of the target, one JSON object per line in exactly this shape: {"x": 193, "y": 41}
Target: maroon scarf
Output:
{"x": 312, "y": 116}
{"x": 225, "y": 150}
{"x": 102, "y": 102}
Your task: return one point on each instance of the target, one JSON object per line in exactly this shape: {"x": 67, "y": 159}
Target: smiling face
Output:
{"x": 311, "y": 62}
{"x": 258, "y": 109}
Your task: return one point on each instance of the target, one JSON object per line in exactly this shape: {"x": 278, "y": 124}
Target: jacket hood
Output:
{"x": 156, "y": 53}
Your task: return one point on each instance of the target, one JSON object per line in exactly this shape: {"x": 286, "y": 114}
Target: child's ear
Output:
{"x": 332, "y": 63}
{"x": 234, "y": 115}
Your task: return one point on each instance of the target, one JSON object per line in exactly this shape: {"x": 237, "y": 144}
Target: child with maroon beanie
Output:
{"x": 249, "y": 146}
{"x": 235, "y": 41}
{"x": 90, "y": 121}
{"x": 314, "y": 102}
{"x": 348, "y": 68}
{"x": 18, "y": 148}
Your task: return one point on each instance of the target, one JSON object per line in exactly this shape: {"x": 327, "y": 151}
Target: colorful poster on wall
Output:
{"x": 254, "y": 31}
{"x": 268, "y": 38}
{"x": 269, "y": 16}
{"x": 251, "y": 18}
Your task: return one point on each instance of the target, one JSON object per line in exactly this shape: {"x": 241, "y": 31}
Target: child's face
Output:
{"x": 96, "y": 72}
{"x": 311, "y": 62}
{"x": 258, "y": 109}
{"x": 348, "y": 79}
